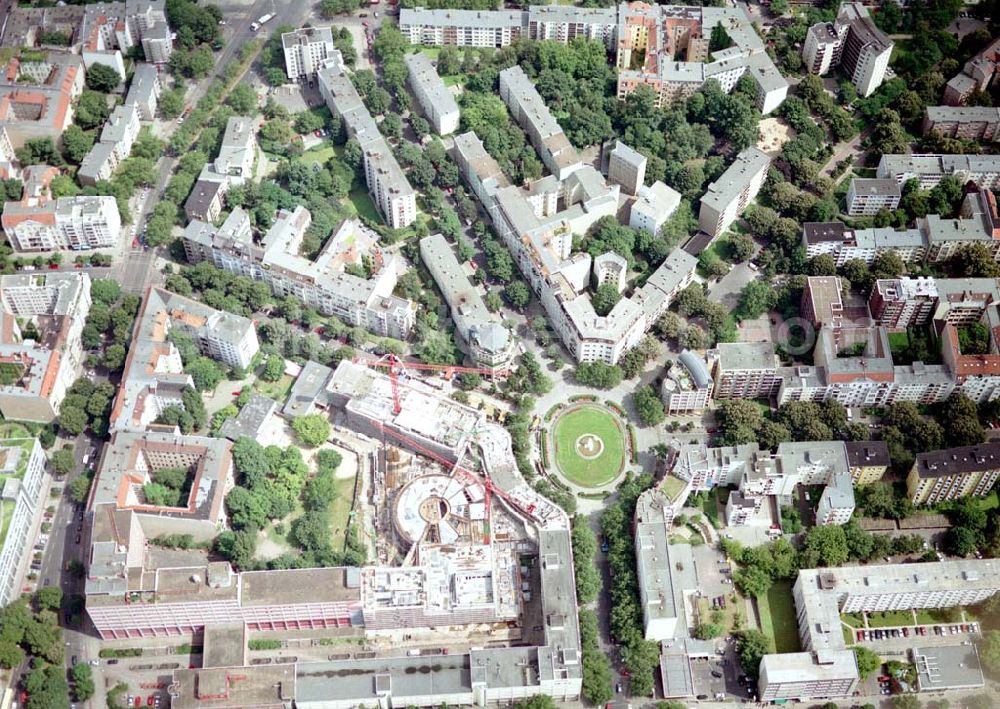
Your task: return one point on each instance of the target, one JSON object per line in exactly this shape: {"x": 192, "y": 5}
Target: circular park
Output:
{"x": 589, "y": 445}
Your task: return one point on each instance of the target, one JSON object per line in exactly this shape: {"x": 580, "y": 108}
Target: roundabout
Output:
{"x": 589, "y": 442}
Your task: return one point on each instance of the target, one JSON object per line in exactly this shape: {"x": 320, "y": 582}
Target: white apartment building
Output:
{"x": 58, "y": 303}
{"x": 928, "y": 170}
{"x": 530, "y": 111}
{"x": 435, "y": 99}
{"x": 22, "y": 466}
{"x": 462, "y": 28}
{"x": 238, "y": 152}
{"x": 823, "y": 45}
{"x": 866, "y": 197}
{"x": 145, "y": 90}
{"x": 653, "y": 206}
{"x": 77, "y": 223}
{"x": 489, "y": 342}
{"x": 807, "y": 676}
{"x": 853, "y": 42}
{"x": 389, "y": 188}
{"x": 305, "y": 51}
{"x": 726, "y": 198}
{"x": 322, "y": 284}
{"x": 863, "y": 244}
{"x": 115, "y": 144}
{"x": 564, "y": 23}
{"x": 626, "y": 167}
{"x": 746, "y": 370}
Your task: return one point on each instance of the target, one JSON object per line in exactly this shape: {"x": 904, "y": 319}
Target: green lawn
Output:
{"x": 890, "y": 619}
{"x": 989, "y": 502}
{"x": 853, "y": 619}
{"x": 340, "y": 511}
{"x": 848, "y": 635}
{"x": 275, "y": 390}
{"x": 777, "y": 617}
{"x": 362, "y": 202}
{"x": 598, "y": 421}
{"x": 319, "y": 154}
{"x": 672, "y": 487}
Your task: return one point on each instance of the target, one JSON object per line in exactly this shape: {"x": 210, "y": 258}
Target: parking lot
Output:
{"x": 711, "y": 577}
{"x": 902, "y": 638}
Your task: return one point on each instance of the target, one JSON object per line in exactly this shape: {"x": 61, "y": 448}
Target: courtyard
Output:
{"x": 589, "y": 445}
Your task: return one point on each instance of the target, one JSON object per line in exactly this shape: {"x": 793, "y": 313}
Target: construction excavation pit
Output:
{"x": 440, "y": 509}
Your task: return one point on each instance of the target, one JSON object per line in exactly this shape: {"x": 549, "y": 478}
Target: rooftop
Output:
{"x": 948, "y": 667}
{"x": 734, "y": 356}
{"x": 734, "y": 180}
{"x": 955, "y": 461}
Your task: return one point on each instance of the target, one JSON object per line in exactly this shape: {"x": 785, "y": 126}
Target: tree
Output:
{"x": 868, "y": 661}
{"x": 648, "y": 406}
{"x": 83, "y": 681}
{"x": 973, "y": 261}
{"x": 103, "y": 78}
{"x": 741, "y": 246}
{"x": 605, "y": 298}
{"x": 76, "y": 143}
{"x": 62, "y": 461}
{"x": 205, "y": 372}
{"x": 172, "y": 103}
{"x": 598, "y": 375}
{"x": 79, "y": 489}
{"x": 539, "y": 701}
{"x": 238, "y": 547}
{"x": 752, "y": 581}
{"x": 752, "y": 645}
{"x": 708, "y": 631}
{"x": 517, "y": 294}
{"x": 826, "y": 546}
{"x": 91, "y": 109}
{"x": 989, "y": 651}
{"x": 588, "y": 579}
{"x": 274, "y": 368}
{"x": 312, "y": 429}
{"x": 49, "y": 598}
{"x": 11, "y": 654}
{"x": 756, "y": 299}
{"x": 72, "y": 420}
{"x": 106, "y": 291}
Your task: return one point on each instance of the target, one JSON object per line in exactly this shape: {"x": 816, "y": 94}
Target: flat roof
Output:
{"x": 746, "y": 355}
{"x": 265, "y": 588}
{"x": 731, "y": 183}
{"x": 948, "y": 667}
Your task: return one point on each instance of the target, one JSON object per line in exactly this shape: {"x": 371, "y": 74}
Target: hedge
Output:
{"x": 583, "y": 397}
{"x": 615, "y": 407}
{"x": 544, "y": 440}
{"x": 633, "y": 451}
{"x": 552, "y": 412}
{"x": 261, "y": 644}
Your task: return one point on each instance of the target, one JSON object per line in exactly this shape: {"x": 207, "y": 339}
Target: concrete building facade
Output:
{"x": 726, "y": 198}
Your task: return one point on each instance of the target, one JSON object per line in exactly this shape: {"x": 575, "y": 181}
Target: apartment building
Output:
{"x": 807, "y": 676}
{"x": 972, "y": 122}
{"x": 484, "y": 334}
{"x": 900, "y": 303}
{"x": 823, "y": 46}
{"x": 37, "y": 96}
{"x": 546, "y": 135}
{"x": 564, "y": 23}
{"x": 461, "y": 28}
{"x": 726, "y": 198}
{"x": 115, "y": 144}
{"x": 38, "y": 372}
{"x": 238, "y": 151}
{"x": 687, "y": 385}
{"x": 653, "y": 206}
{"x": 977, "y": 74}
{"x": 928, "y": 170}
{"x": 868, "y": 461}
{"x": 144, "y": 91}
{"x": 845, "y": 244}
{"x": 866, "y": 197}
{"x": 305, "y": 51}
{"x": 978, "y": 223}
{"x": 323, "y": 284}
{"x": 626, "y": 167}
{"x": 387, "y": 184}
{"x": 153, "y": 378}
{"x": 852, "y": 42}
{"x": 22, "y": 466}
{"x": 659, "y": 567}
{"x": 158, "y": 43}
{"x": 651, "y": 37}
{"x": 536, "y": 224}
{"x": 942, "y": 475}
{"x": 866, "y": 52}
{"x": 436, "y": 101}
{"x": 205, "y": 203}
{"x": 822, "y": 595}
{"x": 39, "y": 222}
{"x": 746, "y": 370}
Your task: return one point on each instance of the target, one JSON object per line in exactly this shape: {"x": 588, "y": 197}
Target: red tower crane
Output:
{"x": 396, "y": 365}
